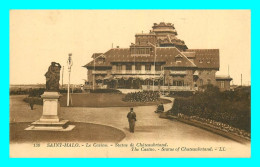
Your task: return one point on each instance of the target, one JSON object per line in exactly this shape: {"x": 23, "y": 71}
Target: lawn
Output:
{"x": 83, "y": 132}
{"x": 103, "y": 100}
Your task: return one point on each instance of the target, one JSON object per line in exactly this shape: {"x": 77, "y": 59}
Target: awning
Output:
{"x": 141, "y": 77}
{"x": 108, "y": 78}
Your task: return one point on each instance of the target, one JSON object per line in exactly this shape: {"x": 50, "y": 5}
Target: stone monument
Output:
{"x": 51, "y": 105}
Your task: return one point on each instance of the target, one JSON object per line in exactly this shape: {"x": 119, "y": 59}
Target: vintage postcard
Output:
{"x": 130, "y": 83}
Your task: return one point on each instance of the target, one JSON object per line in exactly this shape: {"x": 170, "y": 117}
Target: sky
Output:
{"x": 38, "y": 37}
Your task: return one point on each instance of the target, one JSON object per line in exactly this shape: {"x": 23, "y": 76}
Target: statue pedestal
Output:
{"x": 49, "y": 119}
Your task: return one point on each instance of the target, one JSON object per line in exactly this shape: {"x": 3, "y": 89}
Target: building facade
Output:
{"x": 158, "y": 60}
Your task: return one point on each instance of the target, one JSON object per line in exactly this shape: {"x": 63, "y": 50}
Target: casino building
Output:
{"x": 158, "y": 60}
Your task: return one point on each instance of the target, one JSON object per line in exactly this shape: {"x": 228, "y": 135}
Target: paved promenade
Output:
{"x": 149, "y": 127}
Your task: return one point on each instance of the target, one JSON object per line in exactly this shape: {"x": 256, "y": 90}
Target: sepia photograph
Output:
{"x": 130, "y": 83}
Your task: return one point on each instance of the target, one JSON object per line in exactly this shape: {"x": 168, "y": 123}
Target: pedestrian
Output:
{"x": 131, "y": 119}
{"x": 161, "y": 107}
{"x": 31, "y": 102}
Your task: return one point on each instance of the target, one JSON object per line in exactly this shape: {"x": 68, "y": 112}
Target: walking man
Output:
{"x": 131, "y": 119}
{"x": 31, "y": 102}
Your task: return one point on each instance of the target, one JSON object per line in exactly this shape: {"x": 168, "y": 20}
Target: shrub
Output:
{"x": 181, "y": 94}
{"x": 19, "y": 91}
{"x": 35, "y": 100}
{"x": 75, "y": 90}
{"x": 36, "y": 92}
{"x": 233, "y": 108}
{"x": 105, "y": 91}
{"x": 145, "y": 96}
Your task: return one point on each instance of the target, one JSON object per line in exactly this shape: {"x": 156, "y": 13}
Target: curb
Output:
{"x": 213, "y": 130}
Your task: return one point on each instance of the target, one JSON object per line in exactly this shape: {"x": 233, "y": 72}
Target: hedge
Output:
{"x": 233, "y": 108}
{"x": 105, "y": 91}
{"x": 145, "y": 96}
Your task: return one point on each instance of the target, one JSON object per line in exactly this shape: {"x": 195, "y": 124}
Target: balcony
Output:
{"x": 178, "y": 72}
{"x": 99, "y": 72}
{"x": 136, "y": 72}
{"x": 158, "y": 72}
{"x": 165, "y": 30}
{"x": 148, "y": 72}
{"x": 128, "y": 72}
{"x": 168, "y": 88}
{"x": 117, "y": 72}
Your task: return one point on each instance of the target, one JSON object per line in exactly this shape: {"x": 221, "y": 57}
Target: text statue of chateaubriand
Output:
{"x": 53, "y": 77}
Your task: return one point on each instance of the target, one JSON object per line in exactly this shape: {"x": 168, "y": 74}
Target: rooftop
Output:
{"x": 206, "y": 58}
{"x": 171, "y": 48}
{"x": 223, "y": 77}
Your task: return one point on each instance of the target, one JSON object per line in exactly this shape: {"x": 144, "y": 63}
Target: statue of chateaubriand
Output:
{"x": 53, "y": 77}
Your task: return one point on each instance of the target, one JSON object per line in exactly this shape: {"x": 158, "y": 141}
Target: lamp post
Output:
{"x": 154, "y": 62}
{"x": 69, "y": 63}
{"x": 93, "y": 74}
{"x": 62, "y": 77}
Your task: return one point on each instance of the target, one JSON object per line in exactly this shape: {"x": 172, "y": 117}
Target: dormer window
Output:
{"x": 178, "y": 58}
{"x": 100, "y": 60}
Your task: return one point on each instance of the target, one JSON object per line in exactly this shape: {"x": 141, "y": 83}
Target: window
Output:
{"x": 129, "y": 67}
{"x": 100, "y": 61}
{"x": 178, "y": 58}
{"x": 209, "y": 81}
{"x": 138, "y": 67}
{"x": 178, "y": 83}
{"x": 200, "y": 61}
{"x": 148, "y": 67}
{"x": 201, "y": 82}
{"x": 132, "y": 51}
{"x": 187, "y": 84}
{"x": 158, "y": 67}
{"x": 119, "y": 67}
{"x": 222, "y": 84}
{"x": 147, "y": 51}
{"x": 140, "y": 51}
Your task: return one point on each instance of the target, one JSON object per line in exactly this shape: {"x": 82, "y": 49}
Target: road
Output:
{"x": 149, "y": 127}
